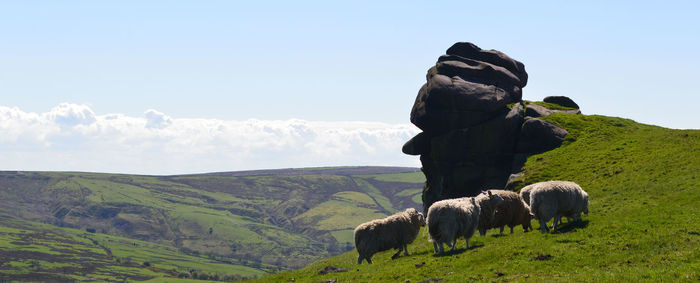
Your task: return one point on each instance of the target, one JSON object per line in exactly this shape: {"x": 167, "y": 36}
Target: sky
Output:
{"x": 177, "y": 87}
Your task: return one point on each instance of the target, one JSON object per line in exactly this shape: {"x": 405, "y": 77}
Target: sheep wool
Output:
{"x": 393, "y": 232}
{"x": 451, "y": 219}
{"x": 525, "y": 192}
{"x": 512, "y": 212}
{"x": 557, "y": 199}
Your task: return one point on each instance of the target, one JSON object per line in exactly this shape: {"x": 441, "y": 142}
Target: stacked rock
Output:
{"x": 471, "y": 114}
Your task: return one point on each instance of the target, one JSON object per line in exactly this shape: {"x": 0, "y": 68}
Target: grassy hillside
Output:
{"x": 644, "y": 187}
{"x": 243, "y": 224}
{"x": 39, "y": 252}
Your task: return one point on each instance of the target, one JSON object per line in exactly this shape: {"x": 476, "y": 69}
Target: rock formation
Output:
{"x": 475, "y": 130}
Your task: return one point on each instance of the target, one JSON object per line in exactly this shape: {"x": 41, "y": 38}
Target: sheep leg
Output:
{"x": 359, "y": 260}
{"x": 454, "y": 244}
{"x": 511, "y": 229}
{"x": 467, "y": 243}
{"x": 501, "y": 231}
{"x": 438, "y": 247}
{"x": 369, "y": 260}
{"x": 405, "y": 249}
{"x": 543, "y": 226}
{"x": 397, "y": 253}
{"x": 556, "y": 219}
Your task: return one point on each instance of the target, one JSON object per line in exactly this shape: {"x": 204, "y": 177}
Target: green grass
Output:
{"x": 413, "y": 177}
{"x": 346, "y": 236}
{"x": 644, "y": 188}
{"x": 381, "y": 200}
{"x": 333, "y": 215}
{"x": 550, "y": 105}
{"x": 411, "y": 192}
{"x": 355, "y": 198}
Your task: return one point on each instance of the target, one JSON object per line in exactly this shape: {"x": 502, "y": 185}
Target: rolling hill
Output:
{"x": 228, "y": 225}
{"x": 642, "y": 180}
{"x": 644, "y": 187}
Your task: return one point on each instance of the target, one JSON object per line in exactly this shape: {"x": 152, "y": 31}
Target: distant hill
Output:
{"x": 644, "y": 187}
{"x": 229, "y": 224}
{"x": 343, "y": 171}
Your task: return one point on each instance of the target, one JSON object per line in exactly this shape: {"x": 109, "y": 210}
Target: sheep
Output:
{"x": 525, "y": 195}
{"x": 453, "y": 218}
{"x": 557, "y": 199}
{"x": 512, "y": 212}
{"x": 486, "y": 219}
{"x": 392, "y": 232}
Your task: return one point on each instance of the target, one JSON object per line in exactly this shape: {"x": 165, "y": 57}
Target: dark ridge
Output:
{"x": 345, "y": 171}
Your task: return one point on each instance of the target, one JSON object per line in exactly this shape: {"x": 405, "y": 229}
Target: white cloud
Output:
{"x": 72, "y": 137}
{"x": 71, "y": 114}
{"x": 157, "y": 120}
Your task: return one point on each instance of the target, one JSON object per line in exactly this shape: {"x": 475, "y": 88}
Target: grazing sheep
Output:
{"x": 557, "y": 199}
{"x": 525, "y": 195}
{"x": 488, "y": 212}
{"x": 512, "y": 212}
{"x": 453, "y": 218}
{"x": 525, "y": 192}
{"x": 393, "y": 232}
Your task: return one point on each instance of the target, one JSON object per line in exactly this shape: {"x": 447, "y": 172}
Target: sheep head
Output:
{"x": 416, "y": 217}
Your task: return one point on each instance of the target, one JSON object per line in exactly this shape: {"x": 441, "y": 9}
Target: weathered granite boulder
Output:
{"x": 534, "y": 110}
{"x": 475, "y": 130}
{"x": 561, "y": 100}
{"x": 470, "y": 50}
{"x": 537, "y": 136}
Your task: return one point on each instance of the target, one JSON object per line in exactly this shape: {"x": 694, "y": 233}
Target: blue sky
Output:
{"x": 309, "y": 62}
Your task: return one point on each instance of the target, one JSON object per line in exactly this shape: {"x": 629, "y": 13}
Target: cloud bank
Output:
{"x": 71, "y": 137}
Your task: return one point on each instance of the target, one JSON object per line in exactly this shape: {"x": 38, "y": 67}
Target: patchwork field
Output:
{"x": 228, "y": 225}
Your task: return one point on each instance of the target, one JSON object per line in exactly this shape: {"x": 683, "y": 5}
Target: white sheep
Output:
{"x": 512, "y": 212}
{"x": 393, "y": 232}
{"x": 557, "y": 199}
{"x": 525, "y": 195}
{"x": 451, "y": 219}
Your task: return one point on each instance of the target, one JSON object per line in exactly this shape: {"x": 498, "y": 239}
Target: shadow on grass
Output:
{"x": 423, "y": 252}
{"x": 571, "y": 227}
{"x": 459, "y": 250}
{"x": 498, "y": 235}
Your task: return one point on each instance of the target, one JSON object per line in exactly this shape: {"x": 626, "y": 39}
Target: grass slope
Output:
{"x": 644, "y": 188}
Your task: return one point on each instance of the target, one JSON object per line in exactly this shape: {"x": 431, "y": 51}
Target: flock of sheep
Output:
{"x": 450, "y": 219}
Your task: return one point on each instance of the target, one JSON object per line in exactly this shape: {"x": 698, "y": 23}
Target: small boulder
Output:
{"x": 561, "y": 100}
{"x": 534, "y": 110}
